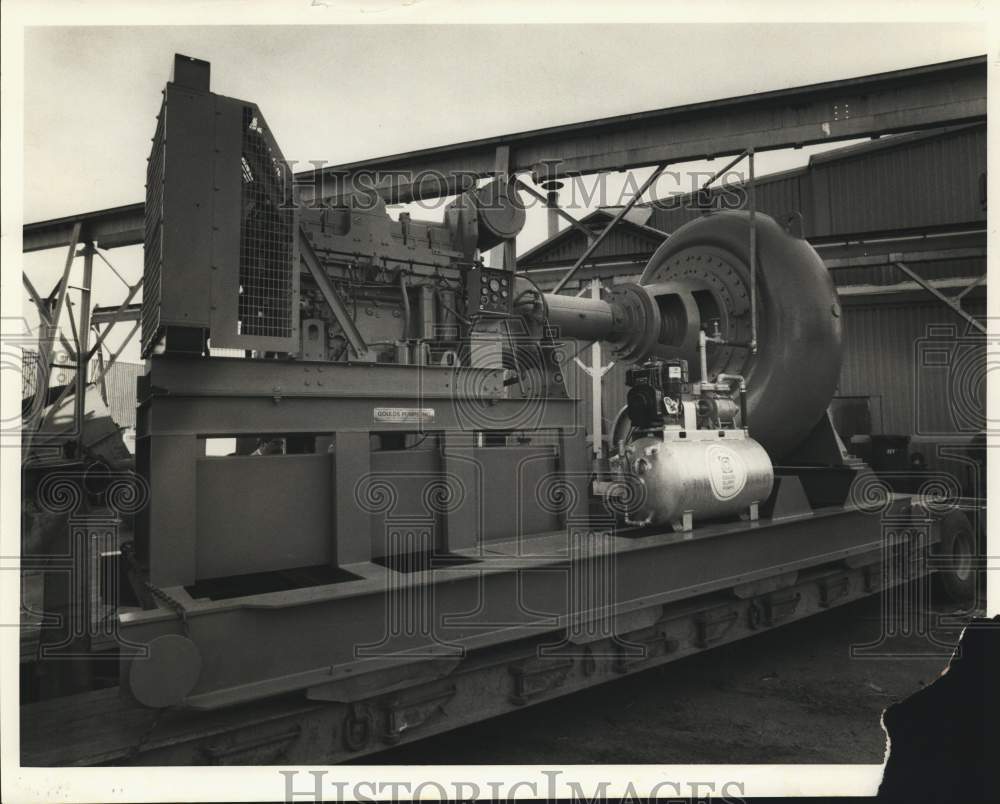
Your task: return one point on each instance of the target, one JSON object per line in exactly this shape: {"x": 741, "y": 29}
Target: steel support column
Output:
{"x": 82, "y": 354}
{"x": 597, "y": 385}
{"x": 504, "y": 255}
{"x": 50, "y": 330}
{"x": 556, "y": 208}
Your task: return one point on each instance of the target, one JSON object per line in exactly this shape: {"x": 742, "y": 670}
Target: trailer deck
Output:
{"x": 708, "y": 594}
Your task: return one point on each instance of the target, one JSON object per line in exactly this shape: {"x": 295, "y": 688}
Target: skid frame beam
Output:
{"x": 340, "y": 722}
{"x": 516, "y": 590}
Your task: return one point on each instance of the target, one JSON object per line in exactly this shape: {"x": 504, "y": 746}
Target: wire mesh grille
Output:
{"x": 153, "y": 250}
{"x": 32, "y": 377}
{"x": 266, "y": 232}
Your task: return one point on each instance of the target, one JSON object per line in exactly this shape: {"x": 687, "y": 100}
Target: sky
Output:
{"x": 344, "y": 93}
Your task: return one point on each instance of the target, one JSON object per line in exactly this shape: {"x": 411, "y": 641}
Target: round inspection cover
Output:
{"x": 168, "y": 674}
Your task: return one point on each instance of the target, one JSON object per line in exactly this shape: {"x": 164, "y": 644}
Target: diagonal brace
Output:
{"x": 607, "y": 229}
{"x": 950, "y": 302}
{"x": 520, "y": 185}
{"x": 331, "y": 297}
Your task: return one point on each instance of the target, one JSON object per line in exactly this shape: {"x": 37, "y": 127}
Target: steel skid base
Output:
{"x": 320, "y": 638}
{"x": 501, "y": 634}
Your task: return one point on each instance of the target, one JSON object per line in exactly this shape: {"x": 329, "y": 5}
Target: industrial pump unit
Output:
{"x": 394, "y": 395}
{"x": 411, "y": 495}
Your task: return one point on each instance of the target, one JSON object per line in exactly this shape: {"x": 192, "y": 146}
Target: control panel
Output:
{"x": 488, "y": 290}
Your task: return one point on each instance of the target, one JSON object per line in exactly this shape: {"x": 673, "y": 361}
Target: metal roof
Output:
{"x": 628, "y": 237}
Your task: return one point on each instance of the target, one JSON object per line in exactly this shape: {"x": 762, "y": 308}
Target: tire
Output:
{"x": 956, "y": 580}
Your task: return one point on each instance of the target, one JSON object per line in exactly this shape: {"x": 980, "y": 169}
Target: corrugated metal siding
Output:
{"x": 929, "y": 372}
{"x": 890, "y": 275}
{"x": 121, "y": 384}
{"x": 621, "y": 241}
{"x": 775, "y": 196}
{"x": 930, "y": 182}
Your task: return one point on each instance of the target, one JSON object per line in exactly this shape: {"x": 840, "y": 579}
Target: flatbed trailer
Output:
{"x": 721, "y": 584}
{"x": 413, "y": 533}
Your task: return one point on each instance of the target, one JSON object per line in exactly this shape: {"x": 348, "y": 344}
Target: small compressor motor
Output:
{"x": 687, "y": 454}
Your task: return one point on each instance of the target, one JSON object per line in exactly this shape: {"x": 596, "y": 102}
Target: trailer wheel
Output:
{"x": 956, "y": 579}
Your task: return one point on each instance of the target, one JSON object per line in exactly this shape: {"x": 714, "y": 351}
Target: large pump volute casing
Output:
{"x": 701, "y": 275}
